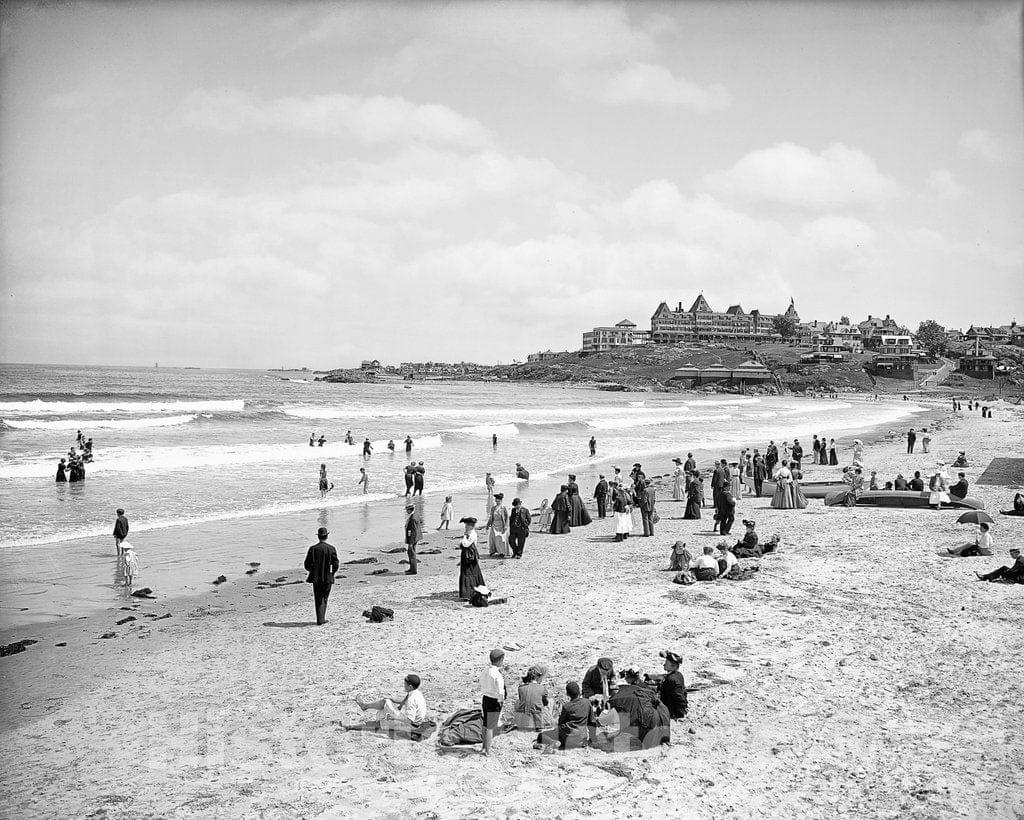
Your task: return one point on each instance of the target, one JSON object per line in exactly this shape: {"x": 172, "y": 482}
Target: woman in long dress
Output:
{"x": 783, "y": 497}
{"x": 693, "y": 494}
{"x": 678, "y": 482}
{"x": 470, "y": 575}
{"x": 497, "y": 529}
{"x": 799, "y": 499}
{"x": 560, "y": 512}
{"x": 623, "y": 513}
{"x": 735, "y": 484}
{"x": 578, "y": 515}
{"x": 858, "y": 453}
{"x": 833, "y": 457}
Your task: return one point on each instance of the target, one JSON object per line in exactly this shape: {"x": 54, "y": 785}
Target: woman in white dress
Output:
{"x": 679, "y": 482}
{"x": 735, "y": 484}
{"x": 939, "y": 487}
{"x": 858, "y": 453}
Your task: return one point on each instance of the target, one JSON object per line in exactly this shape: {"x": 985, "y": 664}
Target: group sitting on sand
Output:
{"x": 622, "y": 712}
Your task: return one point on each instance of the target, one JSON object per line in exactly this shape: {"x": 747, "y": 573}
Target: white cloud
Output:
{"x": 645, "y": 84}
{"x": 550, "y": 34}
{"x": 794, "y": 176}
{"x": 981, "y": 144}
{"x": 369, "y": 119}
{"x": 944, "y": 185}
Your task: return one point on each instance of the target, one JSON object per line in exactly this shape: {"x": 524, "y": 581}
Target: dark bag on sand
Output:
{"x": 466, "y": 727}
{"x": 379, "y": 614}
{"x": 655, "y": 518}
{"x": 463, "y": 728}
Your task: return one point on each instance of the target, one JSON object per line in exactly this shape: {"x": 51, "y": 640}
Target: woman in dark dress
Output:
{"x": 560, "y": 509}
{"x": 693, "y": 499}
{"x": 470, "y": 576}
{"x": 61, "y": 474}
{"x": 578, "y": 515}
{"x": 832, "y": 458}
{"x": 644, "y": 721}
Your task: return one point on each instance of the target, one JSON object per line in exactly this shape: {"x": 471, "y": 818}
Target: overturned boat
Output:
{"x": 911, "y": 499}
{"x": 810, "y": 489}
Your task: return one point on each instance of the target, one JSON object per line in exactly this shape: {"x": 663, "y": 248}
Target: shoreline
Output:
{"x": 855, "y": 655}
{"x": 358, "y": 530}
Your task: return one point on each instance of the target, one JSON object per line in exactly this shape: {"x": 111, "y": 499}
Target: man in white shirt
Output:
{"x": 492, "y": 692}
{"x": 408, "y": 714}
{"x": 706, "y": 566}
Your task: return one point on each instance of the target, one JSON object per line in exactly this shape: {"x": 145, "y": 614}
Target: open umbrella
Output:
{"x": 975, "y": 517}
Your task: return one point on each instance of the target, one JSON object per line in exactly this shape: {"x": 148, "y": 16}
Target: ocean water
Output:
{"x": 216, "y": 452}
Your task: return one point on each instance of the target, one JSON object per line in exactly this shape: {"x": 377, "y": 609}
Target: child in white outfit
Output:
{"x": 131, "y": 563}
{"x": 447, "y": 512}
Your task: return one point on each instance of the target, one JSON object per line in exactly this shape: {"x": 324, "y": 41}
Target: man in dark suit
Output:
{"x": 645, "y": 501}
{"x": 760, "y": 472}
{"x": 321, "y": 564}
{"x": 413, "y": 534}
{"x": 719, "y": 481}
{"x": 601, "y": 494}
{"x": 726, "y": 510}
{"x": 672, "y": 691}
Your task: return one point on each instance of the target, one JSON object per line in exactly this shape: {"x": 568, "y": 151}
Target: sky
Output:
{"x": 246, "y": 184}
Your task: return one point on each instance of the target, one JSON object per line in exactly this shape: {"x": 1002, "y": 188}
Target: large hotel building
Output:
{"x": 698, "y": 325}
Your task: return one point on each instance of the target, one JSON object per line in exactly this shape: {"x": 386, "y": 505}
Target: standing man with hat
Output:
{"x": 672, "y": 690}
{"x": 413, "y": 534}
{"x": 719, "y": 481}
{"x": 321, "y": 564}
{"x": 645, "y": 501}
{"x": 518, "y": 527}
{"x": 601, "y": 495}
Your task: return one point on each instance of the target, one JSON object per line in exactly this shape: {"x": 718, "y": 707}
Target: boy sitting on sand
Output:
{"x": 408, "y": 714}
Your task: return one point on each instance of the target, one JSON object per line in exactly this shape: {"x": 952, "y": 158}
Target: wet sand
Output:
{"x": 858, "y": 674}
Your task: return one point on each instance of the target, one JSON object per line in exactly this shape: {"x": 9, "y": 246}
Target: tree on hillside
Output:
{"x": 932, "y": 337}
{"x": 785, "y": 326}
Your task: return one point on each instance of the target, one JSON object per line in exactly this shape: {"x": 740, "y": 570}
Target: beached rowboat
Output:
{"x": 908, "y": 499}
{"x": 810, "y": 489}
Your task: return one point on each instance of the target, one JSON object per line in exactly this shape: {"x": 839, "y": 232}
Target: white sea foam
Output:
{"x": 627, "y": 422}
{"x": 487, "y": 430}
{"x": 171, "y": 459}
{"x": 222, "y": 515}
{"x": 510, "y": 414}
{"x": 67, "y": 408}
{"x": 93, "y": 424}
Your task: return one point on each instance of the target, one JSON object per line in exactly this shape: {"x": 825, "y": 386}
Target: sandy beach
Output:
{"x": 858, "y": 674}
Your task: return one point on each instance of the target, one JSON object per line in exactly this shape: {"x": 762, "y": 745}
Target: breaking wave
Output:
{"x": 94, "y": 424}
